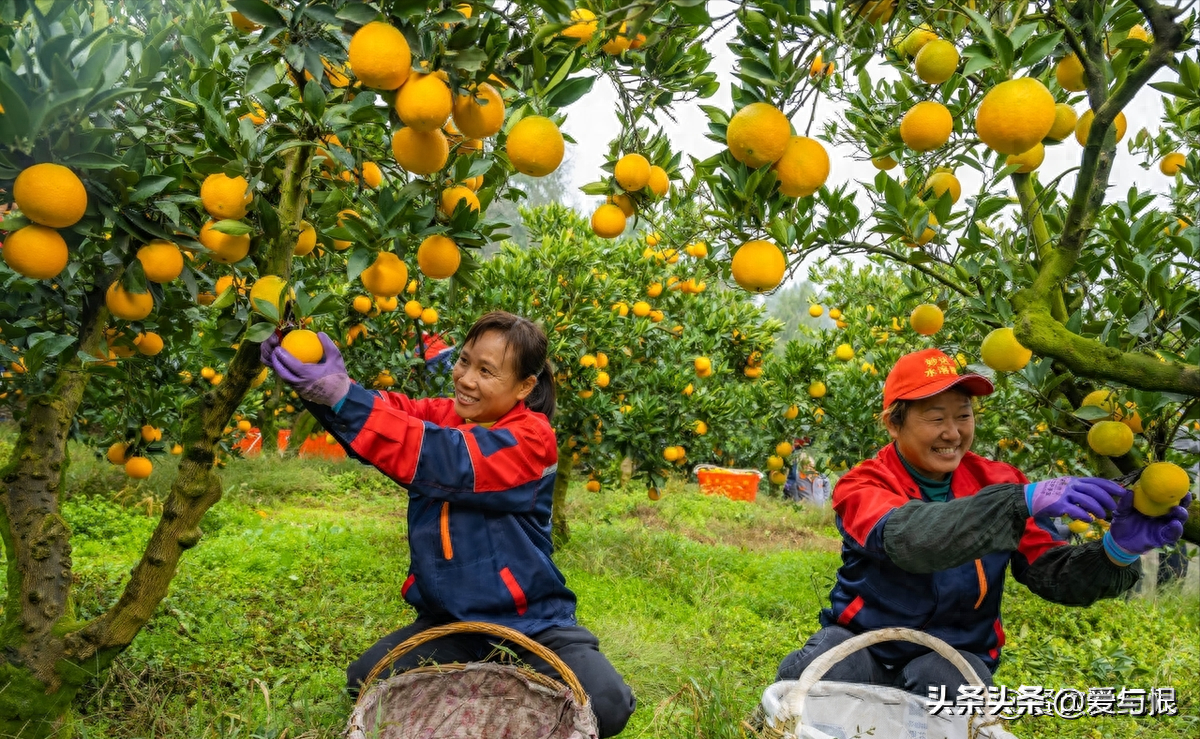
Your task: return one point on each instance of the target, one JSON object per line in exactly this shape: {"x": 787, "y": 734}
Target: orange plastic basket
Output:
{"x": 314, "y": 446}
{"x": 735, "y": 484}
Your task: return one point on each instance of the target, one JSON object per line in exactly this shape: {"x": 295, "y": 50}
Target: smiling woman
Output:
{"x": 479, "y": 469}
{"x": 930, "y": 528}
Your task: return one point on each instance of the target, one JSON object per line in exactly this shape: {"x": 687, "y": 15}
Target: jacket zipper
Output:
{"x": 447, "y": 549}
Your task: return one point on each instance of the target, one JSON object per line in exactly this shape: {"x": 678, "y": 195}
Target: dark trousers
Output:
{"x": 612, "y": 700}
{"x": 861, "y": 667}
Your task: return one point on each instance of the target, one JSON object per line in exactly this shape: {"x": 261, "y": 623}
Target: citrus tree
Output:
{"x": 1099, "y": 284}
{"x": 184, "y": 180}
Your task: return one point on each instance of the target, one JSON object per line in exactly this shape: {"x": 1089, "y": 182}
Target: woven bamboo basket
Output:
{"x": 477, "y": 700}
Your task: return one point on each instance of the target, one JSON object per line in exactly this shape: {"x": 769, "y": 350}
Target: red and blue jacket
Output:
{"x": 959, "y": 604}
{"x": 479, "y": 505}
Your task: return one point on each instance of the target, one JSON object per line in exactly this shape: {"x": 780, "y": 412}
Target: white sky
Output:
{"x": 593, "y": 119}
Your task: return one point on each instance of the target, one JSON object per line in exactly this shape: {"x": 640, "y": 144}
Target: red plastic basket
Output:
{"x": 735, "y": 484}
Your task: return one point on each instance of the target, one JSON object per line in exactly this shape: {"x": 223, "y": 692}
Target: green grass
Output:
{"x": 695, "y": 599}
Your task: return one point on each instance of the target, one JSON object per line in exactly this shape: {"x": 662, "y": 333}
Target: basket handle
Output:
{"x": 476, "y": 627}
{"x": 822, "y": 664}
{"x": 706, "y": 466}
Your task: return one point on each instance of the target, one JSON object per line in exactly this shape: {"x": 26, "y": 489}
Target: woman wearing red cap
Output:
{"x": 929, "y": 528}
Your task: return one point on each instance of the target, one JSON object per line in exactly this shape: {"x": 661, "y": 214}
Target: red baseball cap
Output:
{"x": 926, "y": 373}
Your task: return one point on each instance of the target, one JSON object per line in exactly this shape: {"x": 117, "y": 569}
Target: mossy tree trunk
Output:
{"x": 47, "y": 655}
{"x": 34, "y": 701}
{"x": 560, "y": 529}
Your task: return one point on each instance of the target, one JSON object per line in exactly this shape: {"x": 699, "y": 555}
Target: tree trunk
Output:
{"x": 559, "y": 528}
{"x": 46, "y": 654}
{"x": 38, "y": 687}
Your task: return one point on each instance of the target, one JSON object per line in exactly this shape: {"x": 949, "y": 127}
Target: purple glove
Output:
{"x": 267, "y": 348}
{"x": 1081, "y": 498}
{"x": 1133, "y": 533}
{"x": 323, "y": 383}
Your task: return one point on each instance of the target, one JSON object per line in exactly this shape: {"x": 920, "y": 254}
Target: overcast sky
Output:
{"x": 593, "y": 119}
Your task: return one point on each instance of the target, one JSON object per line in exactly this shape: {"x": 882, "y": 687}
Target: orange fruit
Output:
{"x": 413, "y": 309}
{"x": 386, "y": 276}
{"x": 304, "y": 345}
{"x": 926, "y": 126}
{"x": 803, "y": 168}
{"x": 583, "y": 26}
{"x": 1064, "y": 122}
{"x": 535, "y": 146}
{"x": 269, "y": 289}
{"x": 379, "y": 56}
{"x": 50, "y": 195}
{"x": 632, "y": 172}
{"x": 225, "y": 248}
{"x": 161, "y": 261}
{"x": 926, "y": 319}
{"x": 758, "y": 266}
{"x": 659, "y": 183}
{"x": 936, "y": 62}
{"x": 1110, "y": 438}
{"x": 1002, "y": 352}
{"x": 1070, "y": 75}
{"x": 1084, "y": 126}
{"x": 884, "y": 163}
{"x": 608, "y": 222}
{"x": 306, "y": 241}
{"x": 624, "y": 202}
{"x": 361, "y": 303}
{"x": 139, "y": 468}
{"x": 429, "y": 316}
{"x": 424, "y": 101}
{"x": 1029, "y": 160}
{"x": 452, "y": 196}
{"x": 438, "y": 257}
{"x": 117, "y": 453}
{"x": 480, "y": 113}
{"x": 129, "y": 306}
{"x": 371, "y": 174}
{"x": 758, "y": 134}
{"x": 35, "y": 251}
{"x": 1014, "y": 115}
{"x": 149, "y": 343}
{"x": 225, "y": 197}
{"x": 420, "y": 152}
{"x": 1172, "y": 163}
{"x": 816, "y": 389}
{"x": 940, "y": 183}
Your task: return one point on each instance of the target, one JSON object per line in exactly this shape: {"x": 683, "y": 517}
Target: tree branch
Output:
{"x": 1037, "y": 330}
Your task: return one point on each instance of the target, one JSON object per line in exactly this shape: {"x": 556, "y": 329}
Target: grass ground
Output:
{"x": 696, "y": 600}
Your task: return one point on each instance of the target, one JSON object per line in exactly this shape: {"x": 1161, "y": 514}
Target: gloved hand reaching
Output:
{"x": 1133, "y": 533}
{"x": 323, "y": 383}
{"x": 1081, "y": 498}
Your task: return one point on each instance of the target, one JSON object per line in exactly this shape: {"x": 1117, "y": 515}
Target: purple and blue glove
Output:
{"x": 324, "y": 383}
{"x": 1081, "y": 498}
{"x": 1133, "y": 533}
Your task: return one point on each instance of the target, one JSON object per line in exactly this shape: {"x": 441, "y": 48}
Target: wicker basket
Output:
{"x": 735, "y": 484}
{"x": 472, "y": 701}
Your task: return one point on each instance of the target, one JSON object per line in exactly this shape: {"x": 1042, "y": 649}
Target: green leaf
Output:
{"x": 561, "y": 73}
{"x": 359, "y": 260}
{"x": 570, "y": 91}
{"x": 225, "y": 299}
{"x": 149, "y": 186}
{"x": 1040, "y": 48}
{"x": 595, "y": 188}
{"x": 260, "y": 77}
{"x": 267, "y": 308}
{"x": 1092, "y": 413}
{"x": 232, "y": 227}
{"x": 314, "y": 99}
{"x": 360, "y": 13}
{"x": 259, "y": 12}
{"x": 260, "y": 332}
{"x": 92, "y": 160}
